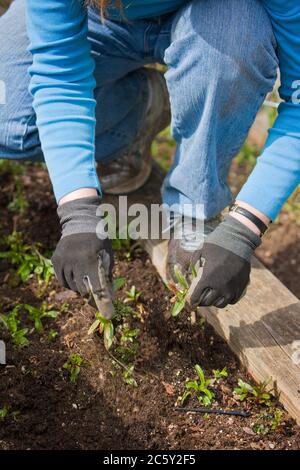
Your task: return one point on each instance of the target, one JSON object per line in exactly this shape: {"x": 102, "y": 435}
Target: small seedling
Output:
{"x": 64, "y": 308}
{"x": 19, "y": 203}
{"x": 133, "y": 295}
{"x": 28, "y": 260}
{"x": 52, "y": 334}
{"x": 128, "y": 345}
{"x": 220, "y": 374}
{"x": 119, "y": 244}
{"x": 118, "y": 283}
{"x": 254, "y": 393}
{"x": 268, "y": 422}
{"x": 277, "y": 419}
{"x": 180, "y": 293}
{"x": 128, "y": 376}
{"x": 261, "y": 428}
{"x": 202, "y": 387}
{"x": 121, "y": 241}
{"x": 73, "y": 366}
{"x": 12, "y": 323}
{"x": 128, "y": 335}
{"x": 4, "y": 411}
{"x": 104, "y": 327}
{"x": 116, "y": 367}
{"x": 122, "y": 310}
{"x": 36, "y": 314}
{"x": 11, "y": 168}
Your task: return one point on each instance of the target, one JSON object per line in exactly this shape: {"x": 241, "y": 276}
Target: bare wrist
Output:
{"x": 78, "y": 194}
{"x": 248, "y": 223}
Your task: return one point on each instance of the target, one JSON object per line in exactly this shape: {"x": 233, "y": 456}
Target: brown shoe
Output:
{"x": 131, "y": 171}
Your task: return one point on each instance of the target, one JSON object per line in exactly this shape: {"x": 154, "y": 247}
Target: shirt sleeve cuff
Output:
{"x": 67, "y": 184}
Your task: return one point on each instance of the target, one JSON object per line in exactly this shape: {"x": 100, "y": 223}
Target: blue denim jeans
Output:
{"x": 221, "y": 61}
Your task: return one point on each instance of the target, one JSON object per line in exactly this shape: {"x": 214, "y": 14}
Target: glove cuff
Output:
{"x": 234, "y": 236}
{"x": 79, "y": 216}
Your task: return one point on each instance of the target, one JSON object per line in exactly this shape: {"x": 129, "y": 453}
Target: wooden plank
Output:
{"x": 263, "y": 329}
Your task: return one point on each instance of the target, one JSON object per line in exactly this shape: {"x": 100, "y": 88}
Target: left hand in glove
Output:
{"x": 225, "y": 267}
{"x": 83, "y": 258}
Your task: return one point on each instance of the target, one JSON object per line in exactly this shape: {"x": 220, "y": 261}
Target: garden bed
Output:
{"x": 107, "y": 406}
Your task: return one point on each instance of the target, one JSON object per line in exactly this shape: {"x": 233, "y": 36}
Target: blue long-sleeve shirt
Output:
{"x": 62, "y": 85}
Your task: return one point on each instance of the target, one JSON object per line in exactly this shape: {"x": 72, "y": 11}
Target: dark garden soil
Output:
{"x": 100, "y": 411}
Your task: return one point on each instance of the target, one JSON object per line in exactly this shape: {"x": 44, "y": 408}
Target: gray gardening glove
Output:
{"x": 224, "y": 271}
{"x": 82, "y": 261}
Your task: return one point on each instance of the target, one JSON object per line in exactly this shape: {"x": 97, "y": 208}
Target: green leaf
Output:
{"x": 129, "y": 378}
{"x": 24, "y": 272}
{"x": 209, "y": 393}
{"x": 118, "y": 283}
{"x": 205, "y": 400}
{"x": 38, "y": 325}
{"x": 245, "y": 385}
{"x": 51, "y": 314}
{"x": 200, "y": 373}
{"x": 52, "y": 334}
{"x": 192, "y": 385}
{"x": 4, "y": 411}
{"x": 185, "y": 397}
{"x": 219, "y": 374}
{"x": 194, "y": 271}
{"x": 5, "y": 321}
{"x": 178, "y": 307}
{"x": 38, "y": 270}
{"x": 73, "y": 366}
{"x": 94, "y": 327}
{"x": 180, "y": 277}
{"x": 108, "y": 335}
{"x": 19, "y": 338}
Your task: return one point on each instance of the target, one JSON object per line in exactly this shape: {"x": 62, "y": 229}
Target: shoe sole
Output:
{"x": 137, "y": 181}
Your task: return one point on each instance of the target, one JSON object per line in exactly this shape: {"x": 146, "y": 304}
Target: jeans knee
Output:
{"x": 224, "y": 43}
{"x": 12, "y": 130}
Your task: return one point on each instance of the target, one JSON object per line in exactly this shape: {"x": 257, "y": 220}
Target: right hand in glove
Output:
{"x": 225, "y": 268}
{"x": 83, "y": 259}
